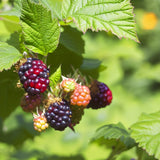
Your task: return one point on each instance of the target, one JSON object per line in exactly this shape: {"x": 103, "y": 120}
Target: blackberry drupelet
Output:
{"x": 34, "y": 76}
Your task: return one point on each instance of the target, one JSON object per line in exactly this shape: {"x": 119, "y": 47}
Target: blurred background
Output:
{"x": 130, "y": 69}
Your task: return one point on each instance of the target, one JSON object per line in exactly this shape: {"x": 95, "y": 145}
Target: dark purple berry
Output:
{"x": 29, "y": 102}
{"x": 34, "y": 76}
{"x": 101, "y": 95}
{"x": 57, "y": 115}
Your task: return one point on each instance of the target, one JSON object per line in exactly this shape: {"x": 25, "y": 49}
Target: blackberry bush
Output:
{"x": 34, "y": 76}
{"x": 59, "y": 115}
{"x": 101, "y": 95}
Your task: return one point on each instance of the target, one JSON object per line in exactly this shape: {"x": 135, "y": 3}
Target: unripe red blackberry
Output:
{"x": 68, "y": 84}
{"x": 80, "y": 96}
{"x": 101, "y": 95}
{"x": 77, "y": 113}
{"x": 34, "y": 76}
{"x": 30, "y": 102}
{"x": 40, "y": 122}
{"x": 59, "y": 115}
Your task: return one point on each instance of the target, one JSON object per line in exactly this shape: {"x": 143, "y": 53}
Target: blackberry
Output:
{"x": 30, "y": 102}
{"x": 68, "y": 84}
{"x": 80, "y": 96}
{"x": 40, "y": 122}
{"x": 59, "y": 115}
{"x": 101, "y": 95}
{"x": 34, "y": 76}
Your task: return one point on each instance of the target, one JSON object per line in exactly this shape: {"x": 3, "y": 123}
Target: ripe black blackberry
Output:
{"x": 101, "y": 95}
{"x": 34, "y": 76}
{"x": 59, "y": 115}
{"x": 30, "y": 102}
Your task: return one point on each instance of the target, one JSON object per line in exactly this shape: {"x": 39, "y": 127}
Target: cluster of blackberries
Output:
{"x": 64, "y": 111}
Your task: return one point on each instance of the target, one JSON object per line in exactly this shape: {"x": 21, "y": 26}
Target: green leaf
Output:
{"x": 146, "y": 132}
{"x": 8, "y": 56}
{"x": 114, "y": 135}
{"x": 55, "y": 77}
{"x": 10, "y": 95}
{"x": 41, "y": 32}
{"x": 66, "y": 58}
{"x": 108, "y": 15}
{"x": 71, "y": 38}
{"x": 11, "y": 21}
{"x": 90, "y": 64}
{"x": 55, "y": 6}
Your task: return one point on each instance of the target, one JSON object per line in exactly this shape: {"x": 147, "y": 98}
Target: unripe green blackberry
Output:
{"x": 68, "y": 84}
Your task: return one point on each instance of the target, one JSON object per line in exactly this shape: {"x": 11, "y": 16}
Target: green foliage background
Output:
{"x": 131, "y": 70}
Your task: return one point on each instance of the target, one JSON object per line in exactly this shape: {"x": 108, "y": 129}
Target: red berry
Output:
{"x": 80, "y": 96}
{"x": 34, "y": 76}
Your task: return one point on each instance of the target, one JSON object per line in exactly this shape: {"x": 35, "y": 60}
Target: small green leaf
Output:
{"x": 8, "y": 56}
{"x": 114, "y": 135}
{"x": 41, "y": 32}
{"x": 55, "y": 77}
{"x": 108, "y": 15}
{"x": 146, "y": 132}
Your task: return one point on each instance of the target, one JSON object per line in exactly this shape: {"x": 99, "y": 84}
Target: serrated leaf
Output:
{"x": 55, "y": 77}
{"x": 55, "y": 6}
{"x": 113, "y": 135}
{"x": 8, "y": 56}
{"x": 41, "y": 32}
{"x": 146, "y": 132}
{"x": 108, "y": 15}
